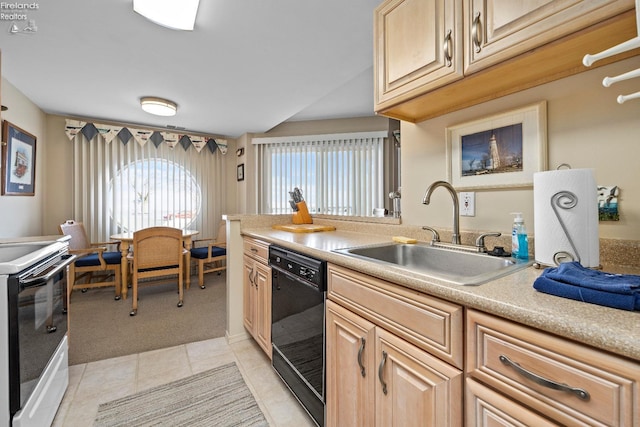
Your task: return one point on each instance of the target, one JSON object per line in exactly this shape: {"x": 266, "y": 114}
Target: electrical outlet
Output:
{"x": 468, "y": 204}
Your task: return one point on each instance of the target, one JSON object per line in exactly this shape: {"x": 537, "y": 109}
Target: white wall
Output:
{"x": 22, "y": 215}
{"x": 587, "y": 128}
{"x": 40, "y": 215}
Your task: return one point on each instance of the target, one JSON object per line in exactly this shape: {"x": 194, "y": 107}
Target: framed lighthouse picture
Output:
{"x": 503, "y": 150}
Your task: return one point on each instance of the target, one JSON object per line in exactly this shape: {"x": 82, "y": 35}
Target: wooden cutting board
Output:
{"x": 303, "y": 228}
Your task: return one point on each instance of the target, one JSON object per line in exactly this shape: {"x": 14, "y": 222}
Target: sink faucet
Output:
{"x": 455, "y": 238}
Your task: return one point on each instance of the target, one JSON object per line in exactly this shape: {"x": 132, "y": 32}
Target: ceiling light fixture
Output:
{"x": 158, "y": 106}
{"x": 174, "y": 14}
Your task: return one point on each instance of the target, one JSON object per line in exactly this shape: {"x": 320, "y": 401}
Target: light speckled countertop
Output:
{"x": 511, "y": 297}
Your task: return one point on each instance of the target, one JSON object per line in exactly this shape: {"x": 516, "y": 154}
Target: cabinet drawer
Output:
{"x": 429, "y": 323}
{"x": 256, "y": 249}
{"x": 485, "y": 407}
{"x": 569, "y": 382}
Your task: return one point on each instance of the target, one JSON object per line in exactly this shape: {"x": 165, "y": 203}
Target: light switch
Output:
{"x": 467, "y": 204}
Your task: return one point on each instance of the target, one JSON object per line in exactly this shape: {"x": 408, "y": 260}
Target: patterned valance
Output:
{"x": 142, "y": 136}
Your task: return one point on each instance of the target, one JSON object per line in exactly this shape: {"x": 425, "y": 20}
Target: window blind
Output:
{"x": 339, "y": 174}
{"x": 126, "y": 187}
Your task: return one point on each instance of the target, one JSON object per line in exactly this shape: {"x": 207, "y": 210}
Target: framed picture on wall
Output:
{"x": 503, "y": 150}
{"x": 240, "y": 172}
{"x": 18, "y": 161}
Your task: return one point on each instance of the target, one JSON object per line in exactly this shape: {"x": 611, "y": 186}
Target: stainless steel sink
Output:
{"x": 453, "y": 266}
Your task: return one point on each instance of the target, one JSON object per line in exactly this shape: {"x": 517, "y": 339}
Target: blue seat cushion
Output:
{"x": 93, "y": 260}
{"x": 203, "y": 253}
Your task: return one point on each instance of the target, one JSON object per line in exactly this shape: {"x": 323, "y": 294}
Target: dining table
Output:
{"x": 126, "y": 240}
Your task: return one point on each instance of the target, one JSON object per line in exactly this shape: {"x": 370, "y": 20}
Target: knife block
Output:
{"x": 302, "y": 215}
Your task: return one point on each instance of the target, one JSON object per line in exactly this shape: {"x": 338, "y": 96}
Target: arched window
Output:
{"x": 152, "y": 192}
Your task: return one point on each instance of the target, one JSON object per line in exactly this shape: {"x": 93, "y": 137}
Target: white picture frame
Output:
{"x": 519, "y": 150}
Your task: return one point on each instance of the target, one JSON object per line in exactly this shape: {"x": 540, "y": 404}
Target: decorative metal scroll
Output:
{"x": 564, "y": 200}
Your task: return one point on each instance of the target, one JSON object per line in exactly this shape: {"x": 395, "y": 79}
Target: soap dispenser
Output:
{"x": 519, "y": 239}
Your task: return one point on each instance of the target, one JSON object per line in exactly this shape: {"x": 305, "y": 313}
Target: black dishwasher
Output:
{"x": 297, "y": 326}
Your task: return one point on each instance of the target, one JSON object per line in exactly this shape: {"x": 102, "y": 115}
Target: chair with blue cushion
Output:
{"x": 212, "y": 256}
{"x": 94, "y": 260}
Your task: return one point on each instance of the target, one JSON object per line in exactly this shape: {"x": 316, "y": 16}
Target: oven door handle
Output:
{"x": 39, "y": 280}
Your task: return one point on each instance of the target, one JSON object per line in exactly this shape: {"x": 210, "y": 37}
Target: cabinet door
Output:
{"x": 413, "y": 387}
{"x": 497, "y": 30}
{"x": 249, "y": 295}
{"x": 262, "y": 279}
{"x": 350, "y": 368}
{"x": 418, "y": 47}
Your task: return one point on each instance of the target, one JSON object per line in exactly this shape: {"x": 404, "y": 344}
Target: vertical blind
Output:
{"x": 126, "y": 187}
{"x": 339, "y": 174}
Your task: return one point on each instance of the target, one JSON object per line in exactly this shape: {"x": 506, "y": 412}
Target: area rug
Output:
{"x": 101, "y": 328}
{"x": 218, "y": 397}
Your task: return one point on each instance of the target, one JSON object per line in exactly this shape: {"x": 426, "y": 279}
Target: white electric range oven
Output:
{"x": 34, "y": 371}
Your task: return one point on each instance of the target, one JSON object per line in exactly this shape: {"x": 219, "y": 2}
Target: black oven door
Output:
{"x": 37, "y": 324}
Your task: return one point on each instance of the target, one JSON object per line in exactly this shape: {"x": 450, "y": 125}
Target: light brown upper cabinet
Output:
{"x": 502, "y": 29}
{"x": 418, "y": 46}
{"x": 432, "y": 57}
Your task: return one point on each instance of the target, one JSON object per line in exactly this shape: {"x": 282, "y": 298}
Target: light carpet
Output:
{"x": 101, "y": 328}
{"x": 218, "y": 397}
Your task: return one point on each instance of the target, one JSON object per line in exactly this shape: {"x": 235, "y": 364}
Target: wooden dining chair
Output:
{"x": 157, "y": 253}
{"x": 94, "y": 260}
{"x": 212, "y": 255}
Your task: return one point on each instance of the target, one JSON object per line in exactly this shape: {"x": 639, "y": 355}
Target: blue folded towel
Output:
{"x": 572, "y": 280}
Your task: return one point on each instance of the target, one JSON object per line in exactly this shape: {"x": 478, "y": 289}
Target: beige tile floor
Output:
{"x": 97, "y": 382}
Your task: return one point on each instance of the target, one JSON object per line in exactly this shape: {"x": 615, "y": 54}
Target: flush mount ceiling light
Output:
{"x": 158, "y": 106}
{"x": 174, "y": 14}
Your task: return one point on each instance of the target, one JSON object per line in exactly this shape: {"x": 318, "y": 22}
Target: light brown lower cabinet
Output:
{"x": 257, "y": 293}
{"x": 568, "y": 383}
{"x": 486, "y": 407}
{"x": 375, "y": 378}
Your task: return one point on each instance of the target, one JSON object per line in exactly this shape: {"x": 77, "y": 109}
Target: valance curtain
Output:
{"x": 120, "y": 187}
{"x": 339, "y": 174}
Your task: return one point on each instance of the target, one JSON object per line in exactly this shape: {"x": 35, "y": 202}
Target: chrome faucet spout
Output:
{"x": 455, "y": 237}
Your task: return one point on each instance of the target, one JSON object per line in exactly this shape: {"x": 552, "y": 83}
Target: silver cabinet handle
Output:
{"x": 476, "y": 34}
{"x": 581, "y": 393}
{"x": 381, "y": 371}
{"x": 447, "y": 47}
{"x": 251, "y": 278}
{"x": 360, "y": 351}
